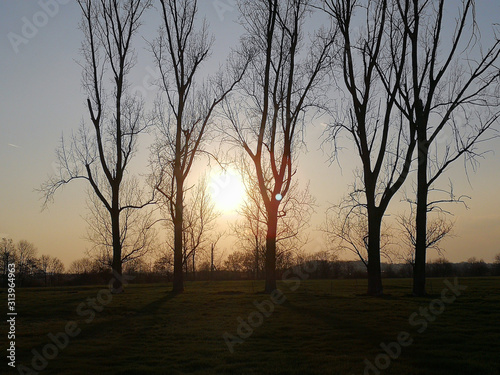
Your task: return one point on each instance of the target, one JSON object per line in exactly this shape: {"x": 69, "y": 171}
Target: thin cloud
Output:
{"x": 13, "y": 145}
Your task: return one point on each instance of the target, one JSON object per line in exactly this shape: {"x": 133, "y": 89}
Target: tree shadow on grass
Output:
{"x": 155, "y": 305}
{"x": 339, "y": 321}
{"x": 230, "y": 292}
{"x": 377, "y": 296}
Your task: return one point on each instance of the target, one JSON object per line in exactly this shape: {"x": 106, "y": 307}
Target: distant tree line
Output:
{"x": 31, "y": 270}
{"x": 45, "y": 270}
{"x": 241, "y": 266}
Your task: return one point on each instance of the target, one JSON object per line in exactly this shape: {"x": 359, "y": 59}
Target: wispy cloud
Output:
{"x": 13, "y": 145}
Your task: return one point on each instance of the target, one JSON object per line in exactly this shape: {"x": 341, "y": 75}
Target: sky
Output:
{"x": 41, "y": 98}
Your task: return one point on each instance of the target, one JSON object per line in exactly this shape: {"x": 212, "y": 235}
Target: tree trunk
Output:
{"x": 178, "y": 286}
{"x": 211, "y": 262}
{"x": 272, "y": 226}
{"x": 374, "y": 270}
{"x": 375, "y": 215}
{"x": 421, "y": 219}
{"x": 194, "y": 267}
{"x": 117, "y": 248}
{"x": 256, "y": 258}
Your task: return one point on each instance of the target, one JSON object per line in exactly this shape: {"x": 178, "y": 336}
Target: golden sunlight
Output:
{"x": 227, "y": 190}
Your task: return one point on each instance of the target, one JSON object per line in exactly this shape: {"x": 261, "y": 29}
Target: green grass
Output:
{"x": 323, "y": 327}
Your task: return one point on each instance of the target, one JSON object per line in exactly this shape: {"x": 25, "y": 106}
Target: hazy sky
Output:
{"x": 41, "y": 98}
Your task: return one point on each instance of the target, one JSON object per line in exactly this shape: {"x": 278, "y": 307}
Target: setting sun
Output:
{"x": 227, "y": 190}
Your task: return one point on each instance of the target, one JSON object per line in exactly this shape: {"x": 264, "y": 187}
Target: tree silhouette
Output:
{"x": 266, "y": 117}
{"x": 437, "y": 229}
{"x": 449, "y": 93}
{"x": 50, "y": 267}
{"x": 138, "y": 237}
{"x": 199, "y": 225}
{"x": 346, "y": 228}
{"x": 185, "y": 111}
{"x": 101, "y": 155}
{"x": 26, "y": 260}
{"x": 8, "y": 256}
{"x": 295, "y": 212}
{"x": 385, "y": 144}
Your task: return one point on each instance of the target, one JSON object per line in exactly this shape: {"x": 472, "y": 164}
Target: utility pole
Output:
{"x": 211, "y": 261}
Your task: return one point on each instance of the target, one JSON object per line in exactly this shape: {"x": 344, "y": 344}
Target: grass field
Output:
{"x": 316, "y": 327}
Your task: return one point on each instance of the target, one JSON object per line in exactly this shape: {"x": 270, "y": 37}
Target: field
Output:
{"x": 314, "y": 327}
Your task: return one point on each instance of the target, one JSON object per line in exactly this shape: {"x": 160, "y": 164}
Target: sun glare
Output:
{"x": 227, "y": 190}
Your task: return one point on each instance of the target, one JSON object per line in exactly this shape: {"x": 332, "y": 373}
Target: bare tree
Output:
{"x": 27, "y": 261}
{"x": 384, "y": 143}
{"x": 83, "y": 266}
{"x": 216, "y": 256}
{"x": 164, "y": 262}
{"x": 449, "y": 94}
{"x": 199, "y": 231}
{"x": 137, "y": 234}
{"x": 7, "y": 250}
{"x": 44, "y": 262}
{"x": 138, "y": 266}
{"x": 496, "y": 265}
{"x": 346, "y": 229}
{"x": 437, "y": 229}
{"x": 184, "y": 113}
{"x": 8, "y": 256}
{"x": 251, "y": 229}
{"x": 295, "y": 212}
{"x": 50, "y": 267}
{"x": 56, "y": 266}
{"x": 199, "y": 226}
{"x": 267, "y": 116}
{"x": 101, "y": 155}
